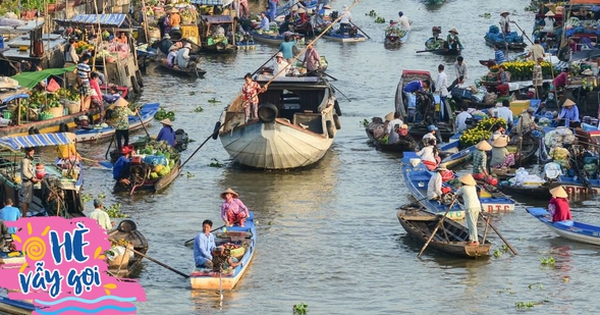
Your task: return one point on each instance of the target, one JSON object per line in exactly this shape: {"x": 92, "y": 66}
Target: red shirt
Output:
{"x": 559, "y": 207}
{"x": 560, "y": 80}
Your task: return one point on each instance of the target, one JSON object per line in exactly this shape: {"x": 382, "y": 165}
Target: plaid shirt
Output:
{"x": 479, "y": 161}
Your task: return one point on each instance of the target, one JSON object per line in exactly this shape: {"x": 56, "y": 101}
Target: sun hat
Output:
{"x": 126, "y": 149}
{"x": 301, "y": 10}
{"x": 483, "y": 146}
{"x": 404, "y": 126}
{"x": 173, "y": 47}
{"x": 587, "y": 72}
{"x": 167, "y": 122}
{"x": 453, "y": 30}
{"x": 279, "y": 55}
{"x": 568, "y": 103}
{"x": 550, "y": 13}
{"x": 389, "y": 116}
{"x": 467, "y": 179}
{"x": 504, "y": 12}
{"x": 500, "y": 142}
{"x": 531, "y": 110}
{"x": 121, "y": 102}
{"x": 174, "y": 10}
{"x": 432, "y": 128}
{"x": 167, "y": 36}
{"x": 229, "y": 191}
{"x": 295, "y": 8}
{"x": 559, "y": 192}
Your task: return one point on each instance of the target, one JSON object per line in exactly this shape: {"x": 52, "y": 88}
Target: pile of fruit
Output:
{"x": 162, "y": 156}
{"x": 80, "y": 46}
{"x": 483, "y": 130}
{"x": 162, "y": 114}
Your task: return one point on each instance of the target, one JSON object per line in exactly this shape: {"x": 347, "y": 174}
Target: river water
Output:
{"x": 328, "y": 235}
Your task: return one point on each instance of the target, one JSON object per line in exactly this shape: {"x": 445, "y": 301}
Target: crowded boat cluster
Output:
{"x": 74, "y": 78}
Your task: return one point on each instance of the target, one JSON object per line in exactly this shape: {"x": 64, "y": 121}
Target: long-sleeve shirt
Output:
{"x": 560, "y": 80}
{"x": 570, "y": 114}
{"x": 461, "y": 121}
{"x": 506, "y": 113}
{"x": 498, "y": 156}
{"x": 171, "y": 58}
{"x": 505, "y": 24}
{"x": 120, "y": 164}
{"x": 203, "y": 247}
{"x": 166, "y": 134}
{"x": 264, "y": 24}
{"x": 441, "y": 84}
{"x": 235, "y": 206}
{"x": 102, "y": 217}
{"x": 71, "y": 55}
{"x": 8, "y": 214}
{"x": 346, "y": 18}
{"x": 404, "y": 22}
{"x": 499, "y": 56}
{"x": 413, "y": 86}
{"x": 183, "y": 57}
{"x": 560, "y": 210}
{"x": 461, "y": 70}
{"x": 470, "y": 198}
{"x": 427, "y": 154}
{"x": 279, "y": 66}
{"x": 479, "y": 162}
{"x": 434, "y": 187}
{"x": 312, "y": 60}
{"x": 27, "y": 169}
{"x": 538, "y": 79}
{"x": 97, "y": 93}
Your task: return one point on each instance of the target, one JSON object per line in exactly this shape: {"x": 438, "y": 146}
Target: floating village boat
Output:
{"x": 99, "y": 132}
{"x": 193, "y": 71}
{"x": 122, "y": 262}
{"x": 272, "y": 38}
{"x": 352, "y": 36}
{"x": 214, "y": 44}
{"x": 451, "y": 237}
{"x": 405, "y": 143}
{"x": 420, "y": 111}
{"x": 511, "y": 40}
{"x": 395, "y": 37}
{"x": 298, "y": 120}
{"x": 571, "y": 230}
{"x": 244, "y": 241}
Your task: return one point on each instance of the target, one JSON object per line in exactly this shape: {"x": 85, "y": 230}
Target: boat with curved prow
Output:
{"x": 571, "y": 230}
{"x": 223, "y": 44}
{"x": 345, "y": 37}
{"x": 298, "y": 120}
{"x": 405, "y": 143}
{"x": 244, "y": 238}
{"x": 121, "y": 262}
{"x": 194, "y": 72}
{"x": 450, "y": 238}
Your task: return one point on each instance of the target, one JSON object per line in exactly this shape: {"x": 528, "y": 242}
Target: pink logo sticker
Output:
{"x": 65, "y": 271}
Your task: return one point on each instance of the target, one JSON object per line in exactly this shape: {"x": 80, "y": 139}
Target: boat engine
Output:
{"x": 182, "y": 139}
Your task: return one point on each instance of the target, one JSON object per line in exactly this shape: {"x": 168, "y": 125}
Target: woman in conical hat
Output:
{"x": 500, "y": 155}
{"x": 480, "y": 159}
{"x": 166, "y": 133}
{"x": 559, "y": 205}
{"x": 233, "y": 210}
{"x": 472, "y": 206}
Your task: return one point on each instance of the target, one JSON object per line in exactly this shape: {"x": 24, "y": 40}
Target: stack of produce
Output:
{"x": 561, "y": 156}
{"x": 483, "y": 130}
{"x": 161, "y": 156}
{"x": 559, "y": 137}
{"x": 497, "y": 37}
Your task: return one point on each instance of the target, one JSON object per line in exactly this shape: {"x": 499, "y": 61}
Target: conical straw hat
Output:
{"x": 467, "y": 179}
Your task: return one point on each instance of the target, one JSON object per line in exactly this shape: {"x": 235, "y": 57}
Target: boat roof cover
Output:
{"x": 115, "y": 19}
{"x": 217, "y": 18}
{"x": 38, "y": 140}
{"x": 15, "y": 26}
{"x": 6, "y": 97}
{"x": 31, "y": 79}
{"x": 212, "y": 2}
{"x": 585, "y": 1}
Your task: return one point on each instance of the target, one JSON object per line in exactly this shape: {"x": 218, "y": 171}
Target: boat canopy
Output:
{"x": 585, "y": 2}
{"x": 31, "y": 79}
{"x": 217, "y": 19}
{"x": 37, "y": 140}
{"x": 212, "y": 2}
{"x": 9, "y": 96}
{"x": 117, "y": 20}
{"x": 16, "y": 26}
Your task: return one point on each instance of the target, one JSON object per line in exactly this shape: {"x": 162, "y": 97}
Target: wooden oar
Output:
{"x": 106, "y": 164}
{"x": 338, "y": 90}
{"x": 360, "y": 29}
{"x": 436, "y": 228}
{"x": 142, "y": 122}
{"x": 501, "y": 237}
{"x": 158, "y": 262}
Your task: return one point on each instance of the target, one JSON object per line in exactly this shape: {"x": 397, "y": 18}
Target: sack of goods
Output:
{"x": 559, "y": 137}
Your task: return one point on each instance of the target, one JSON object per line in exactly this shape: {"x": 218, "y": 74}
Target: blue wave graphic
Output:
{"x": 76, "y": 299}
{"x": 84, "y": 311}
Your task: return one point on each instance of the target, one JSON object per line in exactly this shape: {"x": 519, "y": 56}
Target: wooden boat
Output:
{"x": 269, "y": 38}
{"x": 393, "y": 40}
{"x": 298, "y": 120}
{"x": 194, "y": 72}
{"x": 127, "y": 262}
{"x": 458, "y": 158}
{"x": 59, "y": 193}
{"x": 245, "y": 237}
{"x": 450, "y": 238}
{"x": 539, "y": 192}
{"x": 352, "y": 37}
{"x": 412, "y": 108}
{"x": 571, "y": 230}
{"x": 141, "y": 182}
{"x": 511, "y": 41}
{"x": 406, "y": 143}
{"x": 206, "y": 23}
{"x": 98, "y": 132}
{"x": 246, "y": 44}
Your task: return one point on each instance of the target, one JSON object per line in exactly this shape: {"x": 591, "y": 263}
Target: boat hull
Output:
{"x": 571, "y": 230}
{"x": 345, "y": 38}
{"x": 151, "y": 185}
{"x": 405, "y": 143}
{"x": 147, "y": 112}
{"x": 511, "y": 46}
{"x": 190, "y": 72}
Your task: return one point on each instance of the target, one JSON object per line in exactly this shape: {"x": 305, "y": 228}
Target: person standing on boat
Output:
{"x": 441, "y": 87}
{"x": 429, "y": 155}
{"x": 312, "y": 61}
{"x": 434, "y": 187}
{"x": 10, "y": 214}
{"x": 121, "y": 114}
{"x": 101, "y": 216}
{"x": 71, "y": 57}
{"x": 174, "y": 19}
{"x": 570, "y": 113}
{"x": 525, "y": 123}
{"x": 538, "y": 78}
{"x": 453, "y": 41}
{"x": 404, "y": 22}
{"x": 460, "y": 68}
{"x": 28, "y": 179}
{"x": 273, "y": 9}
{"x": 500, "y": 155}
{"x": 250, "y": 91}
{"x": 96, "y": 94}
{"x": 121, "y": 168}
{"x": 480, "y": 160}
{"x": 287, "y": 48}
{"x": 166, "y": 133}
{"x": 281, "y": 66}
{"x": 345, "y": 20}
{"x": 461, "y": 119}
{"x": 472, "y": 204}
{"x": 536, "y": 51}
{"x": 83, "y": 78}
{"x": 233, "y": 210}
{"x": 505, "y": 22}
{"x": 204, "y": 244}
{"x": 559, "y": 205}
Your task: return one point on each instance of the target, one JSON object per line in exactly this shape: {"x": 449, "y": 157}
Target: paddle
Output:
{"x": 158, "y": 262}
{"x": 338, "y": 90}
{"x": 369, "y": 37}
{"x": 500, "y": 235}
{"x": 327, "y": 74}
{"x": 212, "y": 135}
{"x": 142, "y": 122}
{"x": 524, "y": 34}
{"x": 505, "y": 43}
{"x": 437, "y": 227}
{"x": 106, "y": 164}
{"x": 109, "y": 146}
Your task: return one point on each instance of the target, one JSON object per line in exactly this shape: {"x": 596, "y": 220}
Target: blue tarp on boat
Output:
{"x": 115, "y": 20}
{"x": 37, "y": 140}
{"x": 211, "y": 2}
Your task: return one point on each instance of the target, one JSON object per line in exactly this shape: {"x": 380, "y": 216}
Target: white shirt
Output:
{"x": 183, "y": 57}
{"x": 461, "y": 124}
{"x": 506, "y": 113}
{"x": 505, "y": 24}
{"x": 461, "y": 70}
{"x": 280, "y": 66}
{"x": 470, "y": 198}
{"x": 404, "y": 22}
{"x": 102, "y": 217}
{"x": 346, "y": 18}
{"x": 441, "y": 84}
{"x": 426, "y": 154}
{"x": 434, "y": 188}
{"x": 392, "y": 123}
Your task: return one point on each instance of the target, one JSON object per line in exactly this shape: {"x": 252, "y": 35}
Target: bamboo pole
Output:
{"x": 145, "y": 21}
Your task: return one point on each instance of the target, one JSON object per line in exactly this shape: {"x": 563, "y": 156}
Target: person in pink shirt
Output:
{"x": 233, "y": 210}
{"x": 97, "y": 99}
{"x": 559, "y": 205}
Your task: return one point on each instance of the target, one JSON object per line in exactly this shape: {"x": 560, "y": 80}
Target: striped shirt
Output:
{"x": 83, "y": 71}
{"x": 499, "y": 56}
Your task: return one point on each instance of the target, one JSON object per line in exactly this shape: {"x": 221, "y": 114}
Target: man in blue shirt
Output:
{"x": 416, "y": 85}
{"x": 570, "y": 113}
{"x": 264, "y": 22}
{"x": 10, "y": 214}
{"x": 121, "y": 167}
{"x": 204, "y": 244}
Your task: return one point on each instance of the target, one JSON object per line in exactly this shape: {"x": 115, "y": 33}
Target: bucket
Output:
{"x": 40, "y": 171}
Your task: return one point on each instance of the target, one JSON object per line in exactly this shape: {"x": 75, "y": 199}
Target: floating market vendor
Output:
{"x": 505, "y": 22}
{"x": 453, "y": 41}
{"x": 166, "y": 133}
{"x": 121, "y": 168}
{"x": 204, "y": 244}
{"x": 559, "y": 205}
{"x": 473, "y": 207}
{"x": 404, "y": 22}
{"x": 430, "y": 155}
{"x": 500, "y": 155}
{"x": 416, "y": 85}
{"x": 233, "y": 210}
{"x": 431, "y": 135}
{"x": 28, "y": 179}
{"x": 480, "y": 160}
{"x": 570, "y": 114}
{"x": 434, "y": 187}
